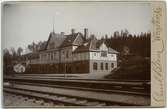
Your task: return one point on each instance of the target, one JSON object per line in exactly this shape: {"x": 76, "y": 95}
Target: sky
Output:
{"x": 25, "y": 22}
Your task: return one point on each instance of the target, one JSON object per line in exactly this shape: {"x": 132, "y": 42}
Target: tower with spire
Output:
{"x": 53, "y": 24}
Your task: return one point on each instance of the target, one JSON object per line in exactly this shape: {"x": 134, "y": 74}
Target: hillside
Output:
{"x": 134, "y": 68}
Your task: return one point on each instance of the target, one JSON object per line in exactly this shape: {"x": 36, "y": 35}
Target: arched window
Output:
{"x": 55, "y": 56}
{"x": 106, "y": 66}
{"x": 51, "y": 56}
{"x": 112, "y": 65}
{"x": 101, "y": 66}
{"x": 94, "y": 66}
{"x": 67, "y": 54}
{"x": 48, "y": 56}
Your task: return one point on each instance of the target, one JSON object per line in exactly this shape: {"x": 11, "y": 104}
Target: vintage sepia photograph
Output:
{"x": 76, "y": 54}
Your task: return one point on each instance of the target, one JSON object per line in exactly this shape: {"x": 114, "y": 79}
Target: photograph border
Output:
{"x": 158, "y": 47}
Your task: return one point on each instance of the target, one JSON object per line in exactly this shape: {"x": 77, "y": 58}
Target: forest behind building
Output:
{"x": 133, "y": 50}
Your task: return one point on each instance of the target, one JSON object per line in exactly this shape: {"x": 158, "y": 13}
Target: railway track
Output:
{"x": 139, "y": 88}
{"x": 84, "y": 88}
{"x": 74, "y": 92}
{"x": 42, "y": 98}
{"x": 75, "y": 97}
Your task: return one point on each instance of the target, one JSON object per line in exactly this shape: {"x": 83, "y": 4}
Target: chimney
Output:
{"x": 72, "y": 31}
{"x": 86, "y": 33}
{"x": 62, "y": 33}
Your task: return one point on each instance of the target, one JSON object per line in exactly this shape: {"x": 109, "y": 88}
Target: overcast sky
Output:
{"x": 28, "y": 22}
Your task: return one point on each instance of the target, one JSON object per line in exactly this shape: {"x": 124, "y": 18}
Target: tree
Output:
{"x": 14, "y": 54}
{"x": 39, "y": 45}
{"x": 122, "y": 33}
{"x": 32, "y": 47}
{"x": 126, "y": 33}
{"x": 6, "y": 51}
{"x": 106, "y": 36}
{"x": 102, "y": 38}
{"x": 19, "y": 51}
{"x": 92, "y": 36}
{"x": 7, "y": 61}
{"x": 43, "y": 45}
{"x": 116, "y": 34}
{"x": 126, "y": 50}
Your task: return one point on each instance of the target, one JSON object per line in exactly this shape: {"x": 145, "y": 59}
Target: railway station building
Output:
{"x": 75, "y": 53}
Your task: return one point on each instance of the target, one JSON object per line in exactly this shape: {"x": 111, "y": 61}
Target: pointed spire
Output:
{"x": 53, "y": 23}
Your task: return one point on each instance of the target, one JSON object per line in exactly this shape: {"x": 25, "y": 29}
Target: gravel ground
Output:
{"x": 12, "y": 100}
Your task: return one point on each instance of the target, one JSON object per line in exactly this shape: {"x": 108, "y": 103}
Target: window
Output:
{"x": 104, "y": 54}
{"x": 101, "y": 66}
{"x": 41, "y": 57}
{"x": 55, "y": 55}
{"x": 106, "y": 66}
{"x": 45, "y": 56}
{"x": 95, "y": 66}
{"x": 86, "y": 56}
{"x": 94, "y": 54}
{"x": 112, "y": 65}
{"x": 67, "y": 54}
{"x": 63, "y": 52}
{"x": 51, "y": 56}
{"x": 48, "y": 56}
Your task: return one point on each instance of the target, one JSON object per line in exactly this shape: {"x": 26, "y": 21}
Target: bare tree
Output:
{"x": 19, "y": 51}
{"x": 126, "y": 32}
{"x": 116, "y": 34}
{"x": 32, "y": 47}
{"x": 14, "y": 54}
{"x": 7, "y": 61}
{"x": 106, "y": 36}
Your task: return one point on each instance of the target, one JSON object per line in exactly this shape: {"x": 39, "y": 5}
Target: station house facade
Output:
{"x": 75, "y": 53}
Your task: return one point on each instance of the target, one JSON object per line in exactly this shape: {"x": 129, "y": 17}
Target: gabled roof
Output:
{"x": 92, "y": 45}
{"x": 52, "y": 34}
{"x": 88, "y": 45}
{"x": 84, "y": 47}
{"x": 98, "y": 43}
{"x": 69, "y": 40}
{"x": 56, "y": 38}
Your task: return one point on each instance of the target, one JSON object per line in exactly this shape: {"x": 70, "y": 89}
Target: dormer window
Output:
{"x": 103, "y": 53}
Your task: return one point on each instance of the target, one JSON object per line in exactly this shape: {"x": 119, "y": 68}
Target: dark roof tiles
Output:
{"x": 55, "y": 38}
{"x": 92, "y": 45}
{"x": 69, "y": 39}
